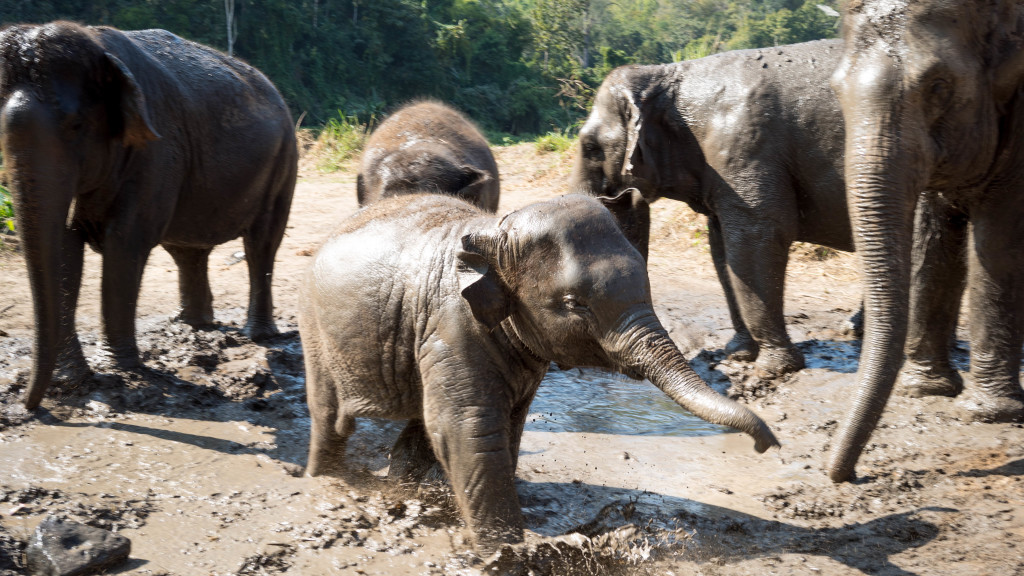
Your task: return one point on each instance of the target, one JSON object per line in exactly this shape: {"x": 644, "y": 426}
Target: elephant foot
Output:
{"x": 260, "y": 330}
{"x": 774, "y": 362}
{"x": 197, "y": 321}
{"x": 742, "y": 348}
{"x": 854, "y": 325}
{"x": 918, "y": 380}
{"x": 126, "y": 358}
{"x": 985, "y": 407}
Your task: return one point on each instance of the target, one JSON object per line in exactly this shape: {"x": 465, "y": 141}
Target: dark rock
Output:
{"x": 64, "y": 548}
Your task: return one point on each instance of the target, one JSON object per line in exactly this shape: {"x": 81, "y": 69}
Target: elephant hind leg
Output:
{"x": 328, "y": 437}
{"x": 412, "y": 457}
{"x": 193, "y": 285}
{"x": 330, "y": 425}
{"x": 261, "y": 241}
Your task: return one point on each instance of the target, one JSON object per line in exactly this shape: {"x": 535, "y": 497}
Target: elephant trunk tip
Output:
{"x": 765, "y": 439}
{"x": 841, "y": 471}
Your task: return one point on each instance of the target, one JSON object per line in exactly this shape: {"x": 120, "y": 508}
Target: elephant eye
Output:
{"x": 572, "y": 303}
{"x": 592, "y": 150}
{"x": 940, "y": 92}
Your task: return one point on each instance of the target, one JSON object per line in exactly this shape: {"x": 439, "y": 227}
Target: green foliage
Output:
{"x": 555, "y": 141}
{"x": 6, "y": 210}
{"x": 341, "y": 139}
{"x": 515, "y": 66}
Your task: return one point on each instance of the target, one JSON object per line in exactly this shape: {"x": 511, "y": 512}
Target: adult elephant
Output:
{"x": 126, "y": 140}
{"x": 754, "y": 140}
{"x": 931, "y": 93}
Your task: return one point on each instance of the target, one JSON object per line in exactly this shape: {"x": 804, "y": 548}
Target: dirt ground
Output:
{"x": 198, "y": 458}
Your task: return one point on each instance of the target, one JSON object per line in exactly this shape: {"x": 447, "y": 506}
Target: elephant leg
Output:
{"x": 71, "y": 364}
{"x": 412, "y": 456}
{"x": 757, "y": 253}
{"x": 123, "y": 264}
{"x": 742, "y": 346}
{"x": 996, "y": 267}
{"x": 938, "y": 275}
{"x": 474, "y": 447}
{"x": 518, "y": 422}
{"x": 193, "y": 285}
{"x": 261, "y": 243}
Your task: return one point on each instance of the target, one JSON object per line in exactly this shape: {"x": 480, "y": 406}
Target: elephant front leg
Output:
{"x": 193, "y": 285}
{"x": 123, "y": 263}
{"x": 474, "y": 446}
{"x": 937, "y": 282}
{"x": 742, "y": 346}
{"x": 756, "y": 255}
{"x": 71, "y": 364}
{"x": 993, "y": 392}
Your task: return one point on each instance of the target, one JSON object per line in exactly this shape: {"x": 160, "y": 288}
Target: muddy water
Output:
{"x": 594, "y": 401}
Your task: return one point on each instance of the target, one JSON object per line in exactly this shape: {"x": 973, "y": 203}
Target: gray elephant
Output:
{"x": 754, "y": 140}
{"x": 127, "y": 140}
{"x": 428, "y": 146}
{"x": 426, "y": 308}
{"x": 933, "y": 101}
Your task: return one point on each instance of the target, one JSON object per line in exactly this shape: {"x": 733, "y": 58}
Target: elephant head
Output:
{"x": 628, "y": 141}
{"x": 575, "y": 292}
{"x": 924, "y": 88}
{"x": 70, "y": 110}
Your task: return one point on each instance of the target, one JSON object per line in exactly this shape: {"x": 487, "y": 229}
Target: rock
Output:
{"x": 64, "y": 548}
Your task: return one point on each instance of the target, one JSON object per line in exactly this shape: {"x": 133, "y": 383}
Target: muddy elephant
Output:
{"x": 933, "y": 103}
{"x": 465, "y": 314}
{"x": 754, "y": 140}
{"x": 428, "y": 146}
{"x": 127, "y": 140}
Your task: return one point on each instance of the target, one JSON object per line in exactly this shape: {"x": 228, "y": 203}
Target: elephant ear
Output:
{"x": 479, "y": 281}
{"x": 633, "y": 123}
{"x": 135, "y": 128}
{"x": 471, "y": 179}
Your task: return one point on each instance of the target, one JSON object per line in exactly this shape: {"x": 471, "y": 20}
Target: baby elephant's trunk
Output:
{"x": 652, "y": 353}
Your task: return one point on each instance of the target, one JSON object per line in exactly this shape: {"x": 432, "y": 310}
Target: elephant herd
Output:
{"x": 903, "y": 140}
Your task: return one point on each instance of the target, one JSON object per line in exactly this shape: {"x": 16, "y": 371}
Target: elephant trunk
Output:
{"x": 649, "y": 352}
{"x": 885, "y": 171}
{"x": 42, "y": 195}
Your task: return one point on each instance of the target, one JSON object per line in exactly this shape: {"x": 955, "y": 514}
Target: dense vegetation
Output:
{"x": 516, "y": 66}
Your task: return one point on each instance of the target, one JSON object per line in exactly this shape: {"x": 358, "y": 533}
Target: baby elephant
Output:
{"x": 427, "y": 146}
{"x": 425, "y": 308}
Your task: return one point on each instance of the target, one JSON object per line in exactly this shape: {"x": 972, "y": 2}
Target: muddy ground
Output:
{"x": 198, "y": 458}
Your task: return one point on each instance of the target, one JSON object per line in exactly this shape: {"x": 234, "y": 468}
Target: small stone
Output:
{"x": 65, "y": 548}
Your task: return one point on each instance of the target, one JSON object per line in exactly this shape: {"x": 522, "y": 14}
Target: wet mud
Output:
{"x": 198, "y": 456}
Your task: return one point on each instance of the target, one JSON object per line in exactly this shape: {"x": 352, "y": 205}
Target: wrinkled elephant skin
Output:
{"x": 127, "y": 140}
{"x": 426, "y": 308}
{"x": 428, "y": 146}
{"x": 931, "y": 94}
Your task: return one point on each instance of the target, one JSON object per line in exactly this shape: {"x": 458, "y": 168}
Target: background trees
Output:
{"x": 517, "y": 66}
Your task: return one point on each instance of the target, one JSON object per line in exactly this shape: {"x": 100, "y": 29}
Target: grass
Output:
{"x": 555, "y": 141}
{"x": 340, "y": 140}
{"x": 6, "y": 210}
